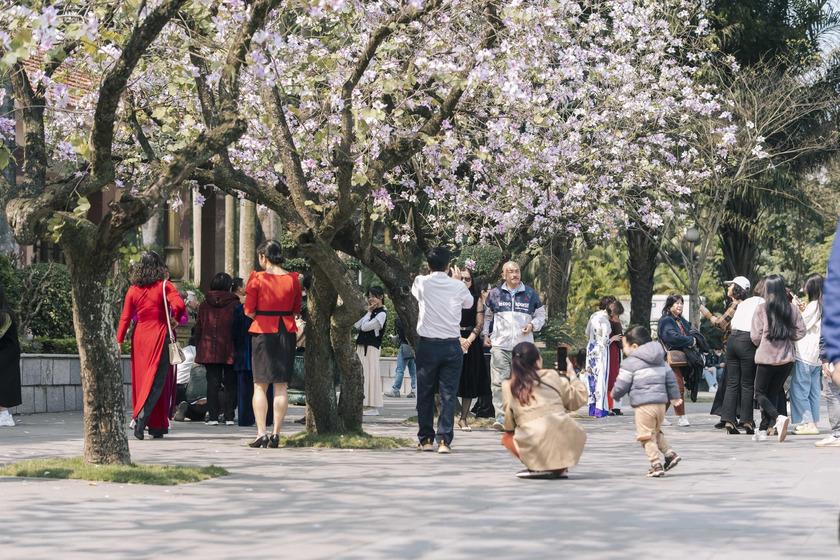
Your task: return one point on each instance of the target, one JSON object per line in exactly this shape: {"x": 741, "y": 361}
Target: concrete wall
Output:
{"x": 52, "y": 382}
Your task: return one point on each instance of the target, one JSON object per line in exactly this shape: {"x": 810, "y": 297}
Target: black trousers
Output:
{"x": 740, "y": 378}
{"x": 770, "y": 390}
{"x": 720, "y": 395}
{"x": 216, "y": 375}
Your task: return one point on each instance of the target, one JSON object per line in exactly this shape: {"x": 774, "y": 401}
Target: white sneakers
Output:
{"x": 782, "y": 424}
{"x": 666, "y": 422}
{"x": 760, "y": 435}
{"x": 6, "y": 419}
{"x": 683, "y": 421}
{"x": 830, "y": 441}
{"x": 808, "y": 429}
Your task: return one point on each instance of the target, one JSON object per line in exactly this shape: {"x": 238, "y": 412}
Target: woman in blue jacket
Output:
{"x": 674, "y": 333}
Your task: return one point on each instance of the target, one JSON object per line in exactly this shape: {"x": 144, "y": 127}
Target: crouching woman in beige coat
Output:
{"x": 538, "y": 428}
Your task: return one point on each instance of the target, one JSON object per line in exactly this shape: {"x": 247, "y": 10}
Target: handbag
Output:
{"x": 677, "y": 358}
{"x": 176, "y": 355}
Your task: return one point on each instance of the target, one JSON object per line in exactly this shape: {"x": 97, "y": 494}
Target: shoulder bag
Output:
{"x": 176, "y": 355}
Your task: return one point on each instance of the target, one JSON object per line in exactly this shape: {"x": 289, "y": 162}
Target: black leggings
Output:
{"x": 740, "y": 378}
{"x": 769, "y": 387}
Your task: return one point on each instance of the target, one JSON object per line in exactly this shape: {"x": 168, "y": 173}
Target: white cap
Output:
{"x": 740, "y": 281}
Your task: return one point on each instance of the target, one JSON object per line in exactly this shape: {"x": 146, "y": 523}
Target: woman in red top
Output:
{"x": 152, "y": 376}
{"x": 272, "y": 300}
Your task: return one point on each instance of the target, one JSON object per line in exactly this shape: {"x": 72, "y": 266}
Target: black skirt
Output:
{"x": 475, "y": 378}
{"x": 273, "y": 356}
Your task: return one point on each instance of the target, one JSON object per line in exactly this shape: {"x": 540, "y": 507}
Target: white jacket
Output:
{"x": 808, "y": 347}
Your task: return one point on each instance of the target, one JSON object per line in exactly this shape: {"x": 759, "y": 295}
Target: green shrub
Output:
{"x": 45, "y": 287}
{"x": 60, "y": 346}
{"x": 10, "y": 281}
{"x": 486, "y": 257}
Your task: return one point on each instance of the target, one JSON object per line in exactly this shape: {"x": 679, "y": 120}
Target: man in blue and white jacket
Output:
{"x": 515, "y": 311}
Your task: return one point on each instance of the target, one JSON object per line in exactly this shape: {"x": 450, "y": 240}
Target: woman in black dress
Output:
{"x": 475, "y": 379}
{"x": 9, "y": 362}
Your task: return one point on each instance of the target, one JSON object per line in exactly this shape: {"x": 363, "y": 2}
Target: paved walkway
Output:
{"x": 730, "y": 498}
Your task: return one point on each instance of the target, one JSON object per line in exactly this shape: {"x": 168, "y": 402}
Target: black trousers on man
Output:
{"x": 439, "y": 365}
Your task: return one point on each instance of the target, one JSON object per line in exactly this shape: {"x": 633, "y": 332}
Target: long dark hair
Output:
{"x": 149, "y": 269}
{"x": 523, "y": 371}
{"x": 814, "y": 290}
{"x": 779, "y": 311}
{"x": 669, "y": 303}
{"x": 475, "y": 285}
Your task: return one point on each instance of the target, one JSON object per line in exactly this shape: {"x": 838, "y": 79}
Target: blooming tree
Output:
{"x": 459, "y": 121}
{"x": 99, "y": 94}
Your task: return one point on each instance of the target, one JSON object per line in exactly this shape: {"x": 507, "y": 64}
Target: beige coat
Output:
{"x": 545, "y": 435}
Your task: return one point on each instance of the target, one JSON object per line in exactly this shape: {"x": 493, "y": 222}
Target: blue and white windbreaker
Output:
{"x": 509, "y": 312}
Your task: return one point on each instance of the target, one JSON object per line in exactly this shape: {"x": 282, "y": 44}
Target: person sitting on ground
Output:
{"x": 190, "y": 406}
{"x": 646, "y": 377}
{"x": 537, "y": 402}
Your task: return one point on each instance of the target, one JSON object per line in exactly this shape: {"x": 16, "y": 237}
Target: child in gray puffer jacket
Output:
{"x": 651, "y": 383}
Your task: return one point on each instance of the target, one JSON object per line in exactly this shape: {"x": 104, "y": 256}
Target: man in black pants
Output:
{"x": 439, "y": 355}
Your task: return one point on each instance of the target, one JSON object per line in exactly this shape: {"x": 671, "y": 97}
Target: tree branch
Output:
{"x": 102, "y": 135}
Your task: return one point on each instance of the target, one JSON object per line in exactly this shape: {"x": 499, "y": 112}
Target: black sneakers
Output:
{"x": 672, "y": 461}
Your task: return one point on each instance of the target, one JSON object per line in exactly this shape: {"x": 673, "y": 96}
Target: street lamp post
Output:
{"x": 692, "y": 236}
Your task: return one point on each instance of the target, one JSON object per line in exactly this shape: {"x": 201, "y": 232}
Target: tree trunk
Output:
{"x": 559, "y": 276}
{"x": 151, "y": 231}
{"x": 642, "y": 248}
{"x": 740, "y": 252}
{"x": 319, "y": 372}
{"x": 105, "y": 440}
{"x": 694, "y": 301}
{"x": 350, "y": 368}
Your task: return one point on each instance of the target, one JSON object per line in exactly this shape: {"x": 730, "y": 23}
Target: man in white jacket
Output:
{"x": 515, "y": 312}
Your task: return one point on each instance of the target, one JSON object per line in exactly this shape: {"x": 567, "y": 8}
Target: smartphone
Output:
{"x": 562, "y": 355}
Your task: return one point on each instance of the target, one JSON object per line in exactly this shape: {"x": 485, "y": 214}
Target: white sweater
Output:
{"x": 808, "y": 347}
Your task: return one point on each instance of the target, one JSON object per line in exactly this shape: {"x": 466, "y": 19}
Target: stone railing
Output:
{"x": 52, "y": 382}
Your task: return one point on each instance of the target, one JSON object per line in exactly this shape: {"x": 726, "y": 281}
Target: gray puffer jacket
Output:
{"x": 646, "y": 377}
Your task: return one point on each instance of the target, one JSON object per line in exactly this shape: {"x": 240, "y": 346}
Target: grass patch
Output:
{"x": 76, "y": 468}
{"x": 343, "y": 441}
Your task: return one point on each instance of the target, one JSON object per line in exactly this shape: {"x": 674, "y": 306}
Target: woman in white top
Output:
{"x": 740, "y": 367}
{"x": 805, "y": 387}
{"x": 371, "y": 328}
